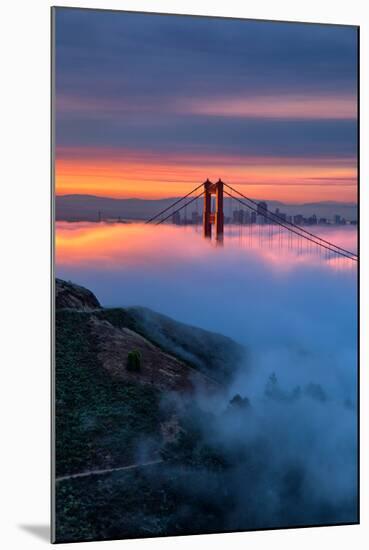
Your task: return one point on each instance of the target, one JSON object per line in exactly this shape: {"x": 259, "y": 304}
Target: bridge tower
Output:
{"x": 216, "y": 217}
{"x": 206, "y": 217}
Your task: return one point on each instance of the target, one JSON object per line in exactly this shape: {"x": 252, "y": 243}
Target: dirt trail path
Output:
{"x": 108, "y": 470}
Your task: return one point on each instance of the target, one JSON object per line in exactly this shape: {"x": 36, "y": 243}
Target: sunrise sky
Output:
{"x": 150, "y": 106}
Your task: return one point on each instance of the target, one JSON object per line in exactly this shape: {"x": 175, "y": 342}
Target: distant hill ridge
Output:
{"x": 77, "y": 207}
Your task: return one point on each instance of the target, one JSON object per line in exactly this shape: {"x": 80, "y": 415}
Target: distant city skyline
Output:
{"x": 268, "y": 107}
{"x": 244, "y": 216}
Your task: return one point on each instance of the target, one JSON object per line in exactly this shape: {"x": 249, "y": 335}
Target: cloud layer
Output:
{"x": 169, "y": 85}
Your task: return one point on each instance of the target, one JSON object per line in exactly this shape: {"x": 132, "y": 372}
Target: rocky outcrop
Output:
{"x": 70, "y": 295}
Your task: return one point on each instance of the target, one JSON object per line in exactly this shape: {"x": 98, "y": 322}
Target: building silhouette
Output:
{"x": 176, "y": 218}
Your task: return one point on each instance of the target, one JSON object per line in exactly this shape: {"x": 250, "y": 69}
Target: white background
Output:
{"x": 25, "y": 257}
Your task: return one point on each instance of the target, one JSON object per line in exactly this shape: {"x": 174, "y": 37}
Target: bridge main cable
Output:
{"x": 174, "y": 204}
{"x": 294, "y": 231}
{"x": 181, "y": 207}
{"x": 299, "y": 228}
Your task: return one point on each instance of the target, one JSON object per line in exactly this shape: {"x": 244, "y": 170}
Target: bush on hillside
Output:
{"x": 134, "y": 361}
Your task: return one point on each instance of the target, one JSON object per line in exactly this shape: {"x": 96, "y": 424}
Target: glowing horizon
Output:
{"x": 288, "y": 180}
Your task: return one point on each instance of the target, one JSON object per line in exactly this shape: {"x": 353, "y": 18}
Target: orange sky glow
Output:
{"x": 131, "y": 174}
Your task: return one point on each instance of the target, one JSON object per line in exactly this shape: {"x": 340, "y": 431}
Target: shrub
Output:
{"x": 240, "y": 402}
{"x": 134, "y": 361}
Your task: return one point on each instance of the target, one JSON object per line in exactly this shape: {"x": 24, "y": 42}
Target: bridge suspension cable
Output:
{"x": 331, "y": 247}
{"x": 299, "y": 228}
{"x": 181, "y": 207}
{"x": 173, "y": 204}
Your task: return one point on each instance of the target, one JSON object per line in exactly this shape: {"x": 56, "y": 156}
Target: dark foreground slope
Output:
{"x": 137, "y": 452}
{"x": 108, "y": 415}
{"x": 103, "y": 408}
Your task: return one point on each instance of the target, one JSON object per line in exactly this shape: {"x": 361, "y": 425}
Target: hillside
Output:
{"x": 96, "y": 389}
{"x": 109, "y": 416}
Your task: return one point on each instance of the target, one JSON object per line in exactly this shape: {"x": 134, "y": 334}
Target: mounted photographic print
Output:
{"x": 205, "y": 277}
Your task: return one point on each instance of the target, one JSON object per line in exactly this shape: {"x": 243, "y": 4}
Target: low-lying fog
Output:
{"x": 296, "y": 312}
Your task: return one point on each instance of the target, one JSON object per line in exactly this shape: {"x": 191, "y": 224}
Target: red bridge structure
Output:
{"x": 217, "y": 217}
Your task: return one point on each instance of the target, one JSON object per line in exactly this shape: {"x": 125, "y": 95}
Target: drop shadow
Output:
{"x": 40, "y": 531}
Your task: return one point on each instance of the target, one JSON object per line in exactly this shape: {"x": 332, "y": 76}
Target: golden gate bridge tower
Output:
{"x": 216, "y": 217}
